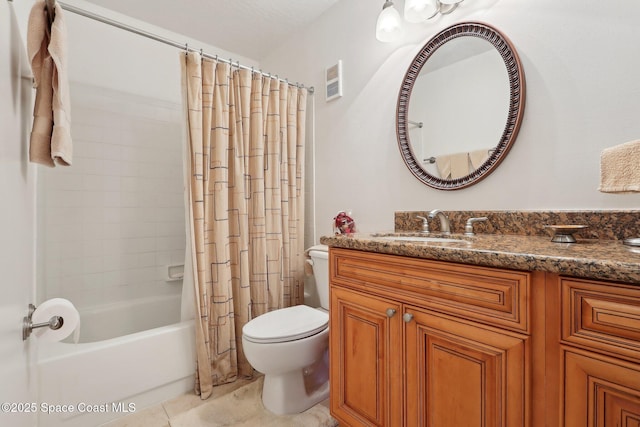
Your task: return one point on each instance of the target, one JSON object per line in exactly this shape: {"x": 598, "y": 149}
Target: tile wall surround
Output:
{"x": 605, "y": 225}
{"x": 109, "y": 225}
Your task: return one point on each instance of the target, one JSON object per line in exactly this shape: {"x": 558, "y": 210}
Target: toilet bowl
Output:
{"x": 290, "y": 347}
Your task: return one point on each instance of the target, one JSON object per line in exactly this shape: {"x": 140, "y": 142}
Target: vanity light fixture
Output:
{"x": 420, "y": 10}
{"x": 389, "y": 25}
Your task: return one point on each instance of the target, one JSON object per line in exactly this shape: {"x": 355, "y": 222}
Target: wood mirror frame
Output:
{"x": 514, "y": 116}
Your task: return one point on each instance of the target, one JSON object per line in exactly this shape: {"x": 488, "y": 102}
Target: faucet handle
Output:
{"x": 425, "y": 223}
{"x": 468, "y": 228}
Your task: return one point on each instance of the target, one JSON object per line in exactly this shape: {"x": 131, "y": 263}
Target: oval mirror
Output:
{"x": 460, "y": 106}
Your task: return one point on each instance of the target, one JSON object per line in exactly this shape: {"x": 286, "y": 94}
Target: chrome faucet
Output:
{"x": 445, "y": 225}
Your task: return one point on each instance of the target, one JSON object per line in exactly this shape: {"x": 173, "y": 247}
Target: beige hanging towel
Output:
{"x": 459, "y": 165}
{"x": 478, "y": 157}
{"x": 50, "y": 142}
{"x": 444, "y": 166}
{"x": 620, "y": 168}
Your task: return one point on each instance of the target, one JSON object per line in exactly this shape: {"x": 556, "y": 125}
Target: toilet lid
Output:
{"x": 286, "y": 324}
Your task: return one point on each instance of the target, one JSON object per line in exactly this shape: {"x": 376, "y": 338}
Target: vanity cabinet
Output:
{"x": 600, "y": 354}
{"x": 415, "y": 342}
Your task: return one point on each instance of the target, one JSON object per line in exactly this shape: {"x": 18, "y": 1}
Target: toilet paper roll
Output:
{"x": 56, "y": 307}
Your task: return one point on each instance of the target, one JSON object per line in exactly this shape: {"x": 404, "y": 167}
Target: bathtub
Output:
{"x": 109, "y": 375}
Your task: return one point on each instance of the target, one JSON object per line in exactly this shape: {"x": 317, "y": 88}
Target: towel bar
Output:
{"x": 433, "y": 159}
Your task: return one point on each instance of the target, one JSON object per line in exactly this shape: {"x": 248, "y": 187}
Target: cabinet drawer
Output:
{"x": 493, "y": 296}
{"x": 601, "y": 316}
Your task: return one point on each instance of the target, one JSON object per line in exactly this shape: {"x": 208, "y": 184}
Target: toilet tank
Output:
{"x": 320, "y": 258}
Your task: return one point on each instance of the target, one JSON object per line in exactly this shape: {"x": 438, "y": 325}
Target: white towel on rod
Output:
{"x": 620, "y": 168}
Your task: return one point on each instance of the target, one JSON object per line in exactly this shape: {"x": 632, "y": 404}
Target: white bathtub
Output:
{"x": 123, "y": 318}
{"x": 102, "y": 379}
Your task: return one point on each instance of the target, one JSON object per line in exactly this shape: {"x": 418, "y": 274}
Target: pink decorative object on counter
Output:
{"x": 343, "y": 223}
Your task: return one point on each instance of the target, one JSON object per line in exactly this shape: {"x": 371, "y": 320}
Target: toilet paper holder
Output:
{"x": 28, "y": 326}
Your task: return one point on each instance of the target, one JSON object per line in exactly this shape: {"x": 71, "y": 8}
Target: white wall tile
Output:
{"x": 92, "y": 264}
{"x": 117, "y": 214}
{"x": 177, "y": 256}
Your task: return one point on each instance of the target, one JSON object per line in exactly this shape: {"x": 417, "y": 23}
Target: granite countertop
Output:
{"x": 588, "y": 258}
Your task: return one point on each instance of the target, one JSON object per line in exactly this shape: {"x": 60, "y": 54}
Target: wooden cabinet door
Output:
{"x": 600, "y": 391}
{"x": 459, "y": 374}
{"x": 366, "y": 359}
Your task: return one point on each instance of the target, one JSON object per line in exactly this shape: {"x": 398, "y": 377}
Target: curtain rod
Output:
{"x": 184, "y": 46}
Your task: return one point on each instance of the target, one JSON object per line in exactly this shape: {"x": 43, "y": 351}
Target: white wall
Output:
{"x": 583, "y": 95}
{"x": 106, "y": 56}
{"x": 17, "y": 222}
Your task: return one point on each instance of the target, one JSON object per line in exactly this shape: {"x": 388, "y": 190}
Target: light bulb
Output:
{"x": 389, "y": 25}
{"x": 420, "y": 10}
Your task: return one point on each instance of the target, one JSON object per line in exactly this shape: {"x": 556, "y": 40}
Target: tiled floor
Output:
{"x": 158, "y": 415}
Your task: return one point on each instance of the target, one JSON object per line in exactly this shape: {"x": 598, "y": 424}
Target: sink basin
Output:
{"x": 422, "y": 239}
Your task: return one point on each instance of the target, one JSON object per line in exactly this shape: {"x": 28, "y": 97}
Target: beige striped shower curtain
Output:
{"x": 245, "y": 137}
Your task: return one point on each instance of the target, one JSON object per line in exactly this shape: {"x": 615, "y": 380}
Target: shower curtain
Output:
{"x": 245, "y": 137}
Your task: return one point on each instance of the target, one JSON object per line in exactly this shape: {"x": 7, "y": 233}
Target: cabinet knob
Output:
{"x": 391, "y": 312}
{"x": 407, "y": 317}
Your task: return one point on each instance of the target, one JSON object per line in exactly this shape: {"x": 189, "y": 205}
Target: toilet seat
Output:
{"x": 286, "y": 324}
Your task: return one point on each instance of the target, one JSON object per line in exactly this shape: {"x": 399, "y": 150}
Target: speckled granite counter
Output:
{"x": 595, "y": 259}
{"x": 602, "y": 225}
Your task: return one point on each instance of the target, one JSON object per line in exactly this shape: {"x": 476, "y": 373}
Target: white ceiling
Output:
{"x": 251, "y": 28}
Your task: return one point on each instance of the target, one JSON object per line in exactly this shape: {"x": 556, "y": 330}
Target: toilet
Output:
{"x": 290, "y": 347}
